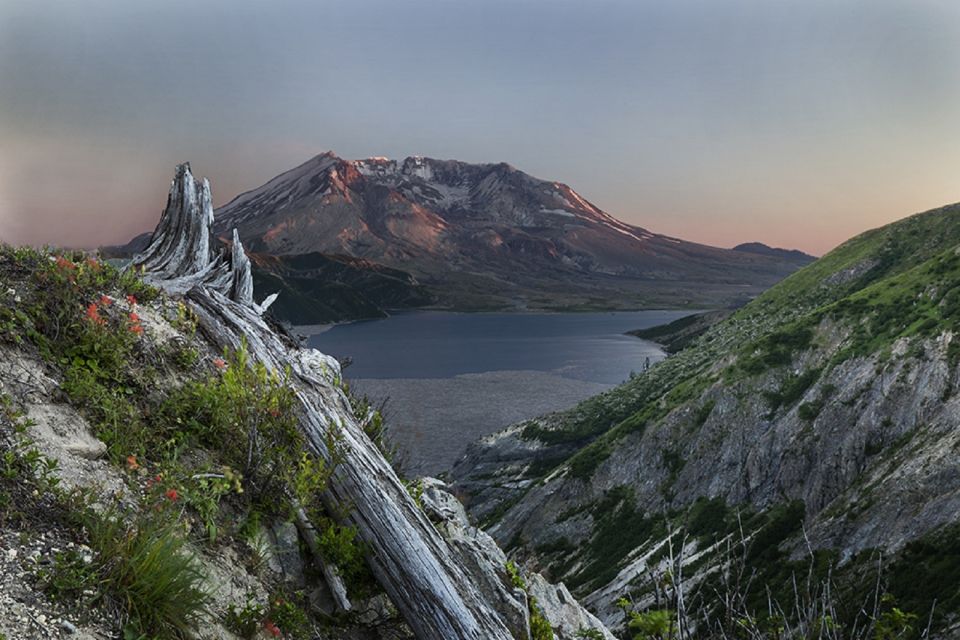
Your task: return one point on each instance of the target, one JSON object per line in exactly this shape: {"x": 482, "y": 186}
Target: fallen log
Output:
{"x": 436, "y": 596}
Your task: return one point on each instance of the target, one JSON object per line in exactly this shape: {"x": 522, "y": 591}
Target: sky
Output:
{"x": 795, "y": 123}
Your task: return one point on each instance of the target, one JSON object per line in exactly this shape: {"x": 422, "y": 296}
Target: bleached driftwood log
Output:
{"x": 436, "y": 596}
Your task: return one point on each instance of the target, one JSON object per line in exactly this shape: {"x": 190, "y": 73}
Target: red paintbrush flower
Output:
{"x": 172, "y": 495}
{"x": 94, "y": 315}
{"x": 132, "y": 299}
{"x": 272, "y": 628}
{"x": 106, "y": 301}
{"x": 65, "y": 264}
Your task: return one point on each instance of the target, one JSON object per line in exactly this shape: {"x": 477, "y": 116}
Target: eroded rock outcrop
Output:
{"x": 487, "y": 563}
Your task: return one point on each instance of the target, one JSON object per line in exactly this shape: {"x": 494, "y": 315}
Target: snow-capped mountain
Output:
{"x": 485, "y": 235}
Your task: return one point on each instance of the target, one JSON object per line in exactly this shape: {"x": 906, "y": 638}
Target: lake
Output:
{"x": 450, "y": 378}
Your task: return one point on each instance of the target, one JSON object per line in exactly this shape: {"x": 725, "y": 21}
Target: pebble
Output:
{"x": 68, "y": 626}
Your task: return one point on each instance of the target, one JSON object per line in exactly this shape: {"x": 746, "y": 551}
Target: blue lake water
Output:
{"x": 448, "y": 379}
{"x": 427, "y": 344}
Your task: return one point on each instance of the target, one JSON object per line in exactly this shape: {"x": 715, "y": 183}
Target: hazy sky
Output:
{"x": 797, "y": 123}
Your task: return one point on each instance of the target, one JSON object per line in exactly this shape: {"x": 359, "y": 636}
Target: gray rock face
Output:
{"x": 288, "y": 551}
{"x": 874, "y": 463}
{"x": 567, "y": 617}
{"x": 487, "y": 564}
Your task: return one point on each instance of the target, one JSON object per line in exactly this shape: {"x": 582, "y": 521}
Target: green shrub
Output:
{"x": 708, "y": 518}
{"x": 116, "y": 419}
{"x": 791, "y": 389}
{"x": 586, "y": 461}
{"x": 68, "y": 577}
{"x": 777, "y": 348}
{"x": 655, "y": 624}
{"x": 540, "y": 628}
{"x": 246, "y": 414}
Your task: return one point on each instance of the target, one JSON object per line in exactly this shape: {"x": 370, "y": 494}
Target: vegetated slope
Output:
{"x": 678, "y": 334}
{"x": 827, "y": 406}
{"x": 489, "y": 235}
{"x": 153, "y": 485}
{"x": 316, "y": 288}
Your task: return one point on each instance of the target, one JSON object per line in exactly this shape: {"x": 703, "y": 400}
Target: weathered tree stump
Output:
{"x": 435, "y": 594}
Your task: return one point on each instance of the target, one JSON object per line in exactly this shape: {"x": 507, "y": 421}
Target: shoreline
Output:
{"x": 309, "y": 330}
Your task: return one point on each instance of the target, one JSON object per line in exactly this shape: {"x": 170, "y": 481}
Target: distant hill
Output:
{"x": 482, "y": 236}
{"x": 759, "y": 248}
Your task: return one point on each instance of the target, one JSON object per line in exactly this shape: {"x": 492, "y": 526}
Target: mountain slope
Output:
{"x": 317, "y": 288}
{"x": 482, "y": 235}
{"x": 824, "y": 412}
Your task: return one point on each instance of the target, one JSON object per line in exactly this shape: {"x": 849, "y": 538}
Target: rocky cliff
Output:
{"x": 810, "y": 438}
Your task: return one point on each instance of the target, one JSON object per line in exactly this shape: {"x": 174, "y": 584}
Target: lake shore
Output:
{"x": 432, "y": 420}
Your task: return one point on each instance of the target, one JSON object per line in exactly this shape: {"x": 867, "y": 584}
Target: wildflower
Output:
{"x": 106, "y": 301}
{"x": 94, "y": 315}
{"x": 172, "y": 495}
{"x": 132, "y": 463}
{"x": 272, "y": 628}
{"x": 134, "y": 317}
{"x": 64, "y": 264}
{"x": 154, "y": 480}
{"x": 220, "y": 363}
{"x": 137, "y": 329}
{"x": 131, "y": 299}
{"x": 93, "y": 264}
{"x": 274, "y": 413}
